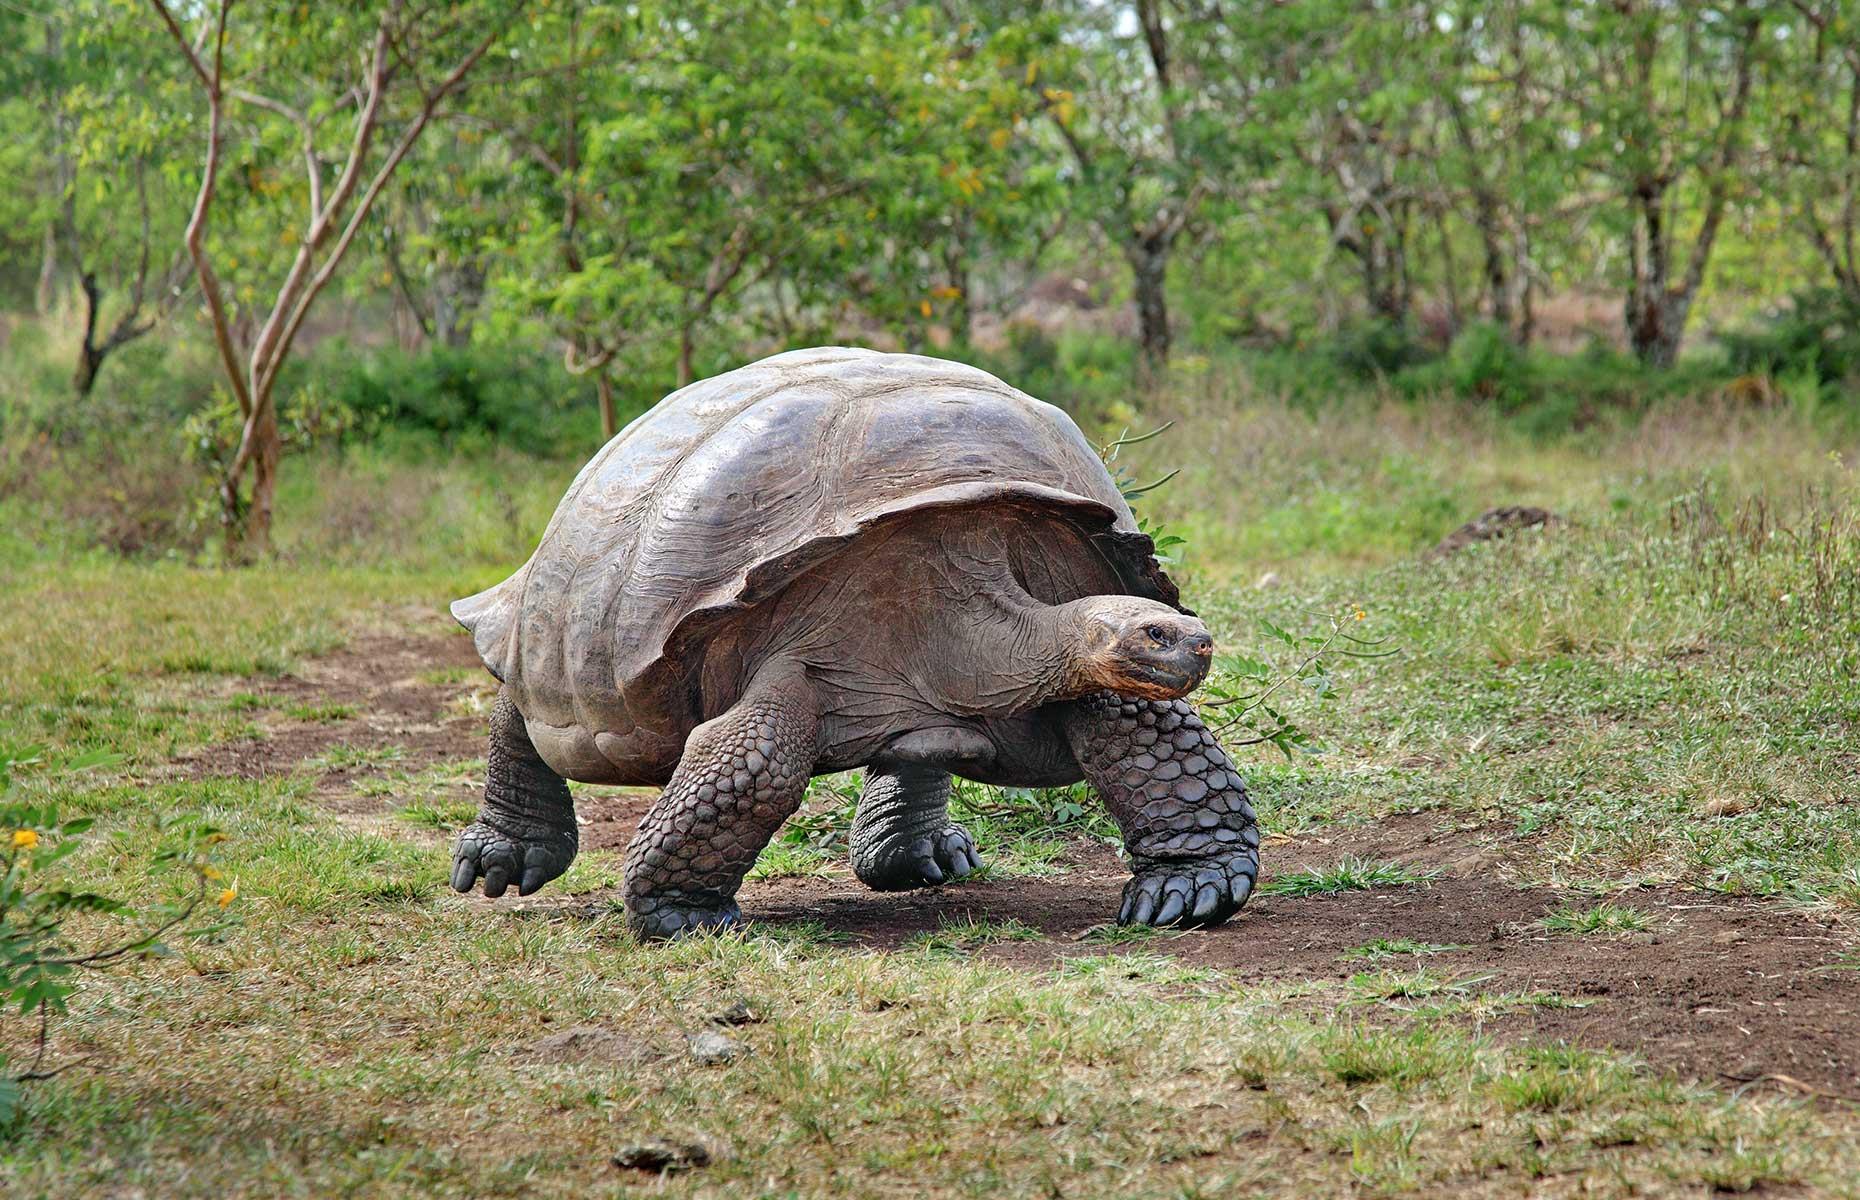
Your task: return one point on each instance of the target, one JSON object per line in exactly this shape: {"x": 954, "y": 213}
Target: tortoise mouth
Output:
{"x": 1163, "y": 678}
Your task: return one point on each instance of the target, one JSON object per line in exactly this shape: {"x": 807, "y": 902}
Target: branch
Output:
{"x": 429, "y": 106}
{"x": 195, "y": 237}
{"x": 308, "y": 133}
{"x": 210, "y": 82}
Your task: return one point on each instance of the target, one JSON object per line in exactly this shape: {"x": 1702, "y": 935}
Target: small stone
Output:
{"x": 712, "y": 1048}
{"x": 1728, "y": 937}
{"x": 662, "y": 1156}
{"x": 737, "y": 1014}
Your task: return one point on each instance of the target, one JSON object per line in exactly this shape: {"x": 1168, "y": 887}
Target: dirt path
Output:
{"x": 1718, "y": 987}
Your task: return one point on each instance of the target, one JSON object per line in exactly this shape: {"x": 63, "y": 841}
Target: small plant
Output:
{"x": 1383, "y": 949}
{"x": 1386, "y": 986}
{"x": 38, "y": 957}
{"x": 961, "y": 935}
{"x": 1605, "y": 919}
{"x": 1349, "y": 875}
{"x": 1240, "y": 694}
{"x": 443, "y": 815}
{"x": 1559, "y": 1079}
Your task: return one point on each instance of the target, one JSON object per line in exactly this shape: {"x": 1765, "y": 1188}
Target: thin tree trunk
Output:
{"x": 1449, "y": 271}
{"x": 1527, "y": 291}
{"x": 1149, "y": 265}
{"x": 610, "y": 423}
{"x": 90, "y": 356}
{"x": 684, "y": 356}
{"x": 47, "y": 291}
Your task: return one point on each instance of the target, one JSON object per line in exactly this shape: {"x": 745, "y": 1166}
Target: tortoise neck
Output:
{"x": 1018, "y": 652}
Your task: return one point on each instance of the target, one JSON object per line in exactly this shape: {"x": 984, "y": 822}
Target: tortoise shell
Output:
{"x": 725, "y": 491}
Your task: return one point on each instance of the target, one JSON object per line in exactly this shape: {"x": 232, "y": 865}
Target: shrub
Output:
{"x": 1817, "y": 335}
{"x": 38, "y": 957}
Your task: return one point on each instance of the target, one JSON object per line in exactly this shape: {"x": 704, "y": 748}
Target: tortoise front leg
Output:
{"x": 525, "y": 832}
{"x": 902, "y": 837}
{"x": 1192, "y": 835}
{"x": 741, "y": 776}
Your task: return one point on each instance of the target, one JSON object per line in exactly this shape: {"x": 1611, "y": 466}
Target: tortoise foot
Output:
{"x": 1189, "y": 895}
{"x": 501, "y": 859}
{"x": 928, "y": 861}
{"x": 663, "y": 917}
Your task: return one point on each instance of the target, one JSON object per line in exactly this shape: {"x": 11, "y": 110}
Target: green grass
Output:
{"x": 967, "y": 933}
{"x": 1386, "y": 948}
{"x": 1666, "y": 692}
{"x": 1605, "y": 920}
{"x": 1348, "y": 875}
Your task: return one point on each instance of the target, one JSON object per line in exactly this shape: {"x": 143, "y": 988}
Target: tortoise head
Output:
{"x": 1136, "y": 647}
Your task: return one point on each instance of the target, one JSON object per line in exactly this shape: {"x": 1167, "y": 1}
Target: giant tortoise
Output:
{"x": 837, "y": 558}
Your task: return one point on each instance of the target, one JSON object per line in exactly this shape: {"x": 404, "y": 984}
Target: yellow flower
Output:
{"x": 24, "y": 839}
{"x": 211, "y": 872}
{"x": 1361, "y": 615}
{"x": 229, "y": 895}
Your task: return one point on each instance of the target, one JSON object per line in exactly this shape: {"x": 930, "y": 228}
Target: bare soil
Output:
{"x": 1719, "y": 988}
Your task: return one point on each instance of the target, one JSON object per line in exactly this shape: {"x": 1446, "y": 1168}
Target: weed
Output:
{"x": 1606, "y": 919}
{"x": 1387, "y": 948}
{"x": 1349, "y": 875}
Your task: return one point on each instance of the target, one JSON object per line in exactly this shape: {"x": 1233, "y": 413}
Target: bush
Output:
{"x": 518, "y": 398}
{"x": 1370, "y": 349}
{"x": 38, "y": 957}
{"x": 1818, "y": 335}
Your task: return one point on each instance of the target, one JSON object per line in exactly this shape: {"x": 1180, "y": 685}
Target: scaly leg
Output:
{"x": 741, "y": 776}
{"x": 1192, "y": 835}
{"x": 902, "y": 837}
{"x": 525, "y": 831}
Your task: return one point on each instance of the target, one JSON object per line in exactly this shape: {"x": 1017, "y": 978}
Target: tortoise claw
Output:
{"x": 500, "y": 858}
{"x": 1188, "y": 894}
{"x": 927, "y": 861}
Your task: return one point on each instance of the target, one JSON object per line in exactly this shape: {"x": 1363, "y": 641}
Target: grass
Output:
{"x": 1349, "y": 875}
{"x": 1602, "y": 920}
{"x": 967, "y": 933}
{"x": 1667, "y": 692}
{"x": 1386, "y": 948}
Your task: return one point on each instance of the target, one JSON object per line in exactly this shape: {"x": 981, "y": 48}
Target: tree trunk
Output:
{"x": 457, "y": 292}
{"x": 1497, "y": 278}
{"x": 1526, "y": 287}
{"x": 247, "y": 519}
{"x": 47, "y": 291}
{"x": 610, "y": 423}
{"x": 1449, "y": 273}
{"x": 1656, "y": 322}
{"x": 684, "y": 356}
{"x": 1149, "y": 265}
{"x": 90, "y": 356}
{"x": 1655, "y": 312}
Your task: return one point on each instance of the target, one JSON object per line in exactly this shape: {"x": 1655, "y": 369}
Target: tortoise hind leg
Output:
{"x": 902, "y": 837}
{"x": 740, "y": 777}
{"x": 525, "y": 832}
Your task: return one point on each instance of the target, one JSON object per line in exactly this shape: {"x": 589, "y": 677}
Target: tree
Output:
{"x": 1150, "y": 141}
{"x": 117, "y": 140}
{"x": 1661, "y": 98}
{"x": 391, "y": 66}
{"x": 1820, "y": 157}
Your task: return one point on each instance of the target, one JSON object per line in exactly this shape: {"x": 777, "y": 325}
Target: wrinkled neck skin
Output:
{"x": 1020, "y": 653}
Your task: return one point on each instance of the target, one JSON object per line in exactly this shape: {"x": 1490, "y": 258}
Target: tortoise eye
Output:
{"x": 1158, "y": 634}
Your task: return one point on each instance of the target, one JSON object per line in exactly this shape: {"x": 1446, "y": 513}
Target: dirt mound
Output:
{"x": 1493, "y": 524}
